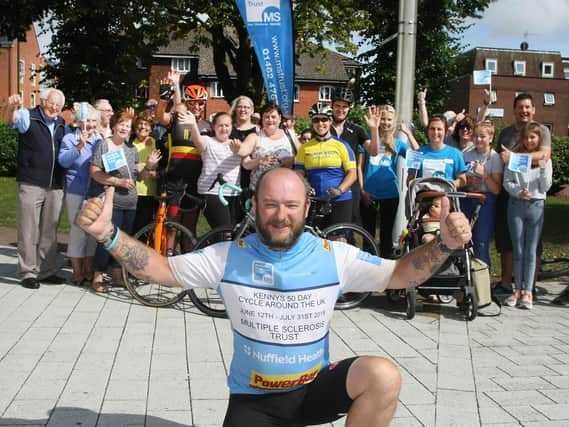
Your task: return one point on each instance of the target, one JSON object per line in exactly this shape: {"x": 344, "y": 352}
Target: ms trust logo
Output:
{"x": 263, "y": 11}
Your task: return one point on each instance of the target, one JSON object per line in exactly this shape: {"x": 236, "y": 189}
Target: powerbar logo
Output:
{"x": 281, "y": 382}
{"x": 267, "y": 11}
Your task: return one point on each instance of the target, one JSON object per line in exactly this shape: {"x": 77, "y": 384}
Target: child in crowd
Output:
{"x": 525, "y": 214}
{"x": 431, "y": 224}
{"x": 484, "y": 175}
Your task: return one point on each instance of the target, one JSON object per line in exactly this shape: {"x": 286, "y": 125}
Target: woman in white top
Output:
{"x": 218, "y": 157}
{"x": 269, "y": 149}
{"x": 526, "y": 204}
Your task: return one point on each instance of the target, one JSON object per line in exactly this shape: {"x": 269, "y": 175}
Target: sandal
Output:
{"x": 526, "y": 301}
{"x": 99, "y": 287}
{"x": 512, "y": 300}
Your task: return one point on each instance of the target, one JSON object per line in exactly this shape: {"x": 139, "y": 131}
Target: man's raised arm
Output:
{"x": 142, "y": 261}
{"x": 420, "y": 264}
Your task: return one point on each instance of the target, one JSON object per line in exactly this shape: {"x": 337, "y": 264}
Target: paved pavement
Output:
{"x": 70, "y": 357}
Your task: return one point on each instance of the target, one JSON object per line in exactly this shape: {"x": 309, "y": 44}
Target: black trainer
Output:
{"x": 54, "y": 280}
{"x": 30, "y": 283}
{"x": 562, "y": 298}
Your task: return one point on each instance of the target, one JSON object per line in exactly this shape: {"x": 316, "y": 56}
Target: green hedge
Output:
{"x": 8, "y": 150}
{"x": 560, "y": 159}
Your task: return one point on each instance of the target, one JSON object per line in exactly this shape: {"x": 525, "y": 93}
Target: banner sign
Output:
{"x": 269, "y": 23}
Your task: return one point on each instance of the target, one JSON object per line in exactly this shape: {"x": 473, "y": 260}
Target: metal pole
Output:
{"x": 405, "y": 87}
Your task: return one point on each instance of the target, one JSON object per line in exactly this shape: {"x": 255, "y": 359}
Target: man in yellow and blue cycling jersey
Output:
{"x": 329, "y": 165}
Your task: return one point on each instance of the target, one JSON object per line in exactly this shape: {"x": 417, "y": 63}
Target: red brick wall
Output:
{"x": 29, "y": 53}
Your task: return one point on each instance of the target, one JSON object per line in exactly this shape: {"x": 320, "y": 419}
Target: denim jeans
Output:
{"x": 124, "y": 219}
{"x": 484, "y": 227}
{"x": 525, "y": 220}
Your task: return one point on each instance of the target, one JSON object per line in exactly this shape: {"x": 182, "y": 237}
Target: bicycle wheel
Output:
{"x": 360, "y": 238}
{"x": 553, "y": 268}
{"x": 155, "y": 294}
{"x": 207, "y": 300}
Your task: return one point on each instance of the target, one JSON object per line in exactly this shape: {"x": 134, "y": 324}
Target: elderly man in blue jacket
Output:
{"x": 40, "y": 186}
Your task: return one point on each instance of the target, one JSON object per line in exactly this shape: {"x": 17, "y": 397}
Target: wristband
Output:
{"x": 114, "y": 240}
{"x": 442, "y": 247}
{"x": 109, "y": 237}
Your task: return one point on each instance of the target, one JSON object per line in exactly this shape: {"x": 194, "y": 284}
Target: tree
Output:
{"x": 94, "y": 50}
{"x": 439, "y": 25}
{"x": 18, "y": 16}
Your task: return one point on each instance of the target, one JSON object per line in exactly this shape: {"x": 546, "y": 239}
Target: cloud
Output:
{"x": 545, "y": 18}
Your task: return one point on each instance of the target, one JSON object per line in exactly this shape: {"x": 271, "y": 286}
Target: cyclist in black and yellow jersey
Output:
{"x": 184, "y": 161}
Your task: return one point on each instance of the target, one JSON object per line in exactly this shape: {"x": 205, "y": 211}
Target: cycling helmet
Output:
{"x": 195, "y": 93}
{"x": 343, "y": 94}
{"x": 320, "y": 110}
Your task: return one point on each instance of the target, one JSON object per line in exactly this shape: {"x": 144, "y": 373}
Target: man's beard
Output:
{"x": 278, "y": 244}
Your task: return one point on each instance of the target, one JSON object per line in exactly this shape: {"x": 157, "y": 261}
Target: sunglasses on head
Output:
{"x": 320, "y": 119}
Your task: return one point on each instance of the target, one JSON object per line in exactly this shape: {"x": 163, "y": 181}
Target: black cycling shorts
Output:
{"x": 322, "y": 401}
{"x": 176, "y": 186}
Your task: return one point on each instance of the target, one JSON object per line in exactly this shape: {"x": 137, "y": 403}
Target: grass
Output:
{"x": 555, "y": 231}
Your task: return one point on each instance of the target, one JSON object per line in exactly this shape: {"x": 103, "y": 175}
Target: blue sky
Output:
{"x": 543, "y": 24}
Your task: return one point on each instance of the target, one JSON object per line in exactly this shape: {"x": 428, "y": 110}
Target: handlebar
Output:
{"x": 453, "y": 194}
{"x": 224, "y": 184}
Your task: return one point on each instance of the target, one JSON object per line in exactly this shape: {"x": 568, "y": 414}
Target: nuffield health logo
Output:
{"x": 263, "y": 11}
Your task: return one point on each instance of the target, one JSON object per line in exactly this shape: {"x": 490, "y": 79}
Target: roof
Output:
{"x": 331, "y": 66}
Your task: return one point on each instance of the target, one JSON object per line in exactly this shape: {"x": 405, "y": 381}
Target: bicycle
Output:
{"x": 552, "y": 268}
{"x": 165, "y": 236}
{"x": 209, "y": 301}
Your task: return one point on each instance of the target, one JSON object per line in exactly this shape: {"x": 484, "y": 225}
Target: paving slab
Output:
{"x": 70, "y": 357}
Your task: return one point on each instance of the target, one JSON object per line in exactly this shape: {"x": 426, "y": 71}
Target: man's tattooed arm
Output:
{"x": 142, "y": 261}
{"x": 419, "y": 264}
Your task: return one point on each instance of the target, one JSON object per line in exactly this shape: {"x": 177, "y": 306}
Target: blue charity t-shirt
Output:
{"x": 380, "y": 172}
{"x": 280, "y": 303}
{"x": 446, "y": 162}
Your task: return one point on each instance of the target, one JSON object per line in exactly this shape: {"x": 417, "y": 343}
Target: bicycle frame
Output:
{"x": 160, "y": 236}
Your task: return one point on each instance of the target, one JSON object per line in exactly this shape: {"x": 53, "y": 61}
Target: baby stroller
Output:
{"x": 454, "y": 277}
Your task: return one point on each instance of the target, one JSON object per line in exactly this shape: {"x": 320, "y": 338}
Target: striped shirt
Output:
{"x": 218, "y": 158}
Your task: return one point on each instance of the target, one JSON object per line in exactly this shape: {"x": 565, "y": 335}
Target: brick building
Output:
{"x": 543, "y": 74}
{"x": 314, "y": 76}
{"x": 20, "y": 63}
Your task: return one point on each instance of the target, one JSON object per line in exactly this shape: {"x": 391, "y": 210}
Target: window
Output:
{"x": 566, "y": 73}
{"x": 547, "y": 69}
{"x": 548, "y": 98}
{"x": 518, "y": 92}
{"x": 21, "y": 71}
{"x": 519, "y": 68}
{"x": 549, "y": 126}
{"x": 492, "y": 65}
{"x": 216, "y": 90}
{"x": 32, "y": 100}
{"x": 33, "y": 74}
{"x": 325, "y": 93}
{"x": 296, "y": 93}
{"x": 181, "y": 64}
{"x": 493, "y": 96}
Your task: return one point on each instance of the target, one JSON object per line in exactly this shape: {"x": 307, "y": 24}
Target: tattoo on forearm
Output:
{"x": 426, "y": 260}
{"x": 132, "y": 255}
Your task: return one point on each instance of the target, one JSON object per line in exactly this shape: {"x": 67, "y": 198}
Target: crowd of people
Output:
{"x": 172, "y": 145}
{"x": 127, "y": 158}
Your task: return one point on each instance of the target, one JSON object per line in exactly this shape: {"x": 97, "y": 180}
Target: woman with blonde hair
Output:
{"x": 377, "y": 175}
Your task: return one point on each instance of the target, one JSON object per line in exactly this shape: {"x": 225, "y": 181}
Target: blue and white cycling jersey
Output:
{"x": 280, "y": 303}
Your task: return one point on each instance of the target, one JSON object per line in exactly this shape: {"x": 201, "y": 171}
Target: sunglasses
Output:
{"x": 198, "y": 103}
{"x": 151, "y": 106}
{"x": 463, "y": 127}
{"x": 320, "y": 119}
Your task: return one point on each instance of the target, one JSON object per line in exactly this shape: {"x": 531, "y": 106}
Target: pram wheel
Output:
{"x": 470, "y": 307}
{"x": 411, "y": 299}
{"x": 350, "y": 300}
{"x": 444, "y": 299}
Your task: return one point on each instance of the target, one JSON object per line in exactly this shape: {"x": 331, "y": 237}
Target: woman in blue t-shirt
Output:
{"x": 377, "y": 175}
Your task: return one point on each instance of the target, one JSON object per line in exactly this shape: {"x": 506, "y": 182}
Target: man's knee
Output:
{"x": 375, "y": 375}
